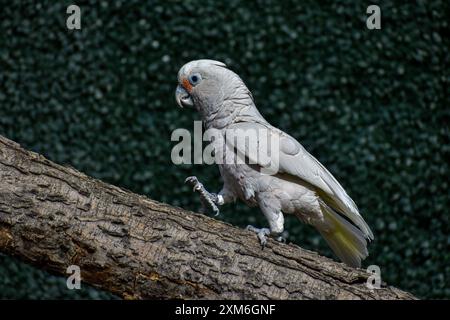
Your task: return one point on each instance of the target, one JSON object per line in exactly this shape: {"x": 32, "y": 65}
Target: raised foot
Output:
{"x": 207, "y": 199}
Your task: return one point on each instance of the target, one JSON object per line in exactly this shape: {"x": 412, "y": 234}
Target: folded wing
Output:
{"x": 297, "y": 163}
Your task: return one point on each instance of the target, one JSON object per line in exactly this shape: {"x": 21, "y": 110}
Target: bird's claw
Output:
{"x": 193, "y": 181}
{"x": 262, "y": 234}
{"x": 207, "y": 199}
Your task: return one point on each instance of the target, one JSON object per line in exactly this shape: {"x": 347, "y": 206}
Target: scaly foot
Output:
{"x": 208, "y": 200}
{"x": 262, "y": 234}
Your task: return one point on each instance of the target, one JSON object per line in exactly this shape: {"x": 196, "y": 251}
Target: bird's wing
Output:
{"x": 295, "y": 163}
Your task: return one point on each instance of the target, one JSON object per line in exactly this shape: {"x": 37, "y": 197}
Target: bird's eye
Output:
{"x": 195, "y": 78}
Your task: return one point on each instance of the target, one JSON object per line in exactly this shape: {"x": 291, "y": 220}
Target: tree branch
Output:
{"x": 53, "y": 216}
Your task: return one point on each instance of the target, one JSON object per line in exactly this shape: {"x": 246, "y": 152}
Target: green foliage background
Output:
{"x": 372, "y": 106}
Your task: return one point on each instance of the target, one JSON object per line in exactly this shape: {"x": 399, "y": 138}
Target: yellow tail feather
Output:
{"x": 347, "y": 241}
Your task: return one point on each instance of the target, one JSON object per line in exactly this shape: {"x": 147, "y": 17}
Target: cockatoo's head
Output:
{"x": 206, "y": 84}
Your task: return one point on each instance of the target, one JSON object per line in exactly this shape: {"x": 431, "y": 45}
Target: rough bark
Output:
{"x": 54, "y": 216}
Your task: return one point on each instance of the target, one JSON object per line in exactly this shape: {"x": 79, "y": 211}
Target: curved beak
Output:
{"x": 183, "y": 98}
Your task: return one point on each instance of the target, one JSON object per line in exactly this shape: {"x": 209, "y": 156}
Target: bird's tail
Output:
{"x": 346, "y": 240}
